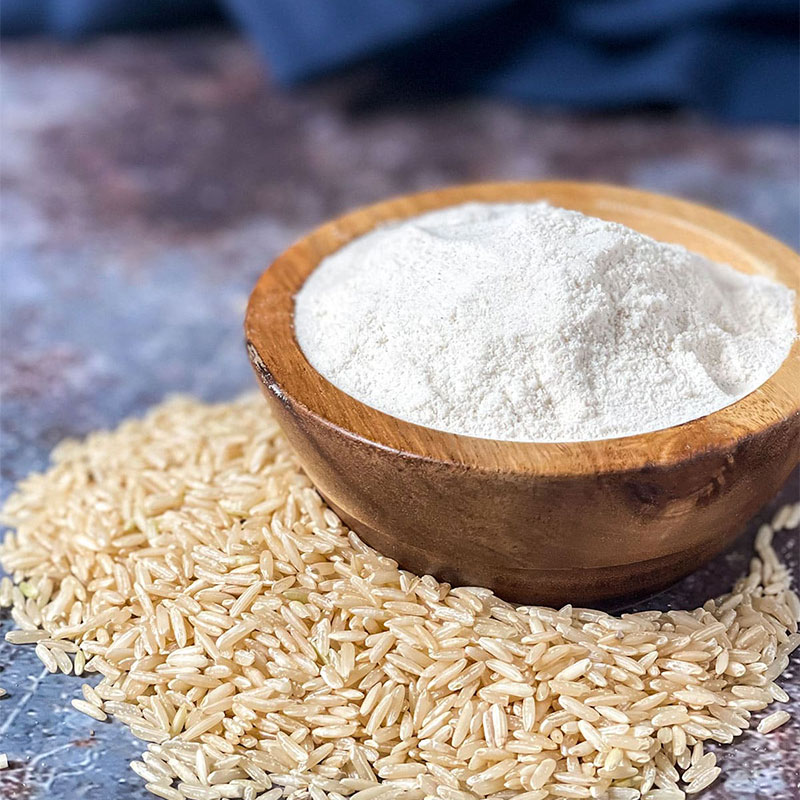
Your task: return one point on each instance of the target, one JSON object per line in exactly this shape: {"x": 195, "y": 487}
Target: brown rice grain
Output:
{"x": 260, "y": 642}
{"x": 773, "y": 721}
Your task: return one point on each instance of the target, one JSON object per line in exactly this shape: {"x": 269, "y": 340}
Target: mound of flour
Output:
{"x": 534, "y": 323}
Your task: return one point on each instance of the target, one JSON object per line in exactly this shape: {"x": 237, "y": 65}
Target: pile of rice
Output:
{"x": 263, "y": 651}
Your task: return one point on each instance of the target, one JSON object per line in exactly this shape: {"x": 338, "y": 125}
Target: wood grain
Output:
{"x": 563, "y": 522}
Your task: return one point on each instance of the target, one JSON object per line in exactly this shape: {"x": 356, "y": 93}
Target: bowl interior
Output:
{"x": 277, "y": 356}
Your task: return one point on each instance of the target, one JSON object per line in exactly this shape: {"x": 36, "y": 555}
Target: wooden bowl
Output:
{"x": 588, "y": 522}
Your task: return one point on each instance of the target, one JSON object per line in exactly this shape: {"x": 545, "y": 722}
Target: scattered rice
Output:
{"x": 263, "y": 651}
{"x": 90, "y": 709}
{"x": 22, "y": 636}
{"x": 772, "y": 721}
{"x": 3, "y": 761}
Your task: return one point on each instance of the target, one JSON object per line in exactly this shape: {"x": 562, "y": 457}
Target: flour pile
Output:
{"x": 534, "y": 323}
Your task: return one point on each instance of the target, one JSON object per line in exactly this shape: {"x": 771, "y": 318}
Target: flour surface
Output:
{"x": 535, "y": 323}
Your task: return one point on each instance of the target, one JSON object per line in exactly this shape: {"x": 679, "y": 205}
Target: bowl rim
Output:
{"x": 285, "y": 372}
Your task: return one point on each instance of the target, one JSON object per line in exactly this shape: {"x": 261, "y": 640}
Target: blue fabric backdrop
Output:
{"x": 738, "y": 59}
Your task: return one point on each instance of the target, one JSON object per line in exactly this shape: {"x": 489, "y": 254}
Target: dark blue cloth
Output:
{"x": 738, "y": 59}
{"x": 72, "y": 18}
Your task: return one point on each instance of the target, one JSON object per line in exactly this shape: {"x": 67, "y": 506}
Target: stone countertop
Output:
{"x": 148, "y": 181}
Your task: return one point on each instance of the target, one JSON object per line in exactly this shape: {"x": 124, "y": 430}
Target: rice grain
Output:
{"x": 262, "y": 650}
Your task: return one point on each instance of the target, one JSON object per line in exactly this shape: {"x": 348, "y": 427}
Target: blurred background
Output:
{"x": 156, "y": 156}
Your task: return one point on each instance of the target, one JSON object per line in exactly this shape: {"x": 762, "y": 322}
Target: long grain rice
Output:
{"x": 263, "y": 651}
{"x": 773, "y": 721}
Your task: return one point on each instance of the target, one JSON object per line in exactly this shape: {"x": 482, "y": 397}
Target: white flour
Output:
{"x": 534, "y": 323}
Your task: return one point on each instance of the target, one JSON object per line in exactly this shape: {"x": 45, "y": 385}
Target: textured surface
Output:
{"x": 148, "y": 182}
